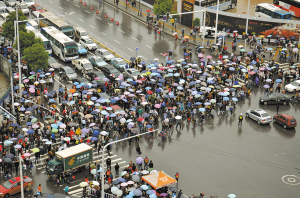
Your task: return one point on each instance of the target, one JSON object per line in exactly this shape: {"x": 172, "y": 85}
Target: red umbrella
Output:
{"x": 148, "y": 11}
{"x": 149, "y": 92}
{"x": 140, "y": 119}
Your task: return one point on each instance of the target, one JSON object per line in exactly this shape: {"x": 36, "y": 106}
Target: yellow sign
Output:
{"x": 71, "y": 162}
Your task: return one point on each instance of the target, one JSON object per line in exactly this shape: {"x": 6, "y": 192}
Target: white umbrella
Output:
{"x": 178, "y": 117}
{"x": 83, "y": 184}
{"x": 122, "y": 120}
{"x": 103, "y": 133}
{"x": 96, "y": 183}
{"x": 153, "y": 171}
{"x": 231, "y": 196}
{"x": 145, "y": 172}
{"x": 119, "y": 193}
{"x": 114, "y": 189}
{"x": 67, "y": 139}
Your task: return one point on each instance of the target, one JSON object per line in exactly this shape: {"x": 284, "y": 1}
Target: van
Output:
{"x": 209, "y": 31}
{"x": 35, "y": 14}
{"x": 79, "y": 32}
{"x": 286, "y": 120}
{"x": 33, "y": 24}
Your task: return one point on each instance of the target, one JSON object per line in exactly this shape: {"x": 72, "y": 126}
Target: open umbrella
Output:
{"x": 139, "y": 160}
{"x": 83, "y": 184}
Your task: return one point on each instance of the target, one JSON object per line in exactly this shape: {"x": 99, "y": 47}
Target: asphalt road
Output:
{"x": 216, "y": 158}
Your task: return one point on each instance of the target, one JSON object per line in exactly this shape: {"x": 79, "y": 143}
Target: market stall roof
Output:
{"x": 159, "y": 179}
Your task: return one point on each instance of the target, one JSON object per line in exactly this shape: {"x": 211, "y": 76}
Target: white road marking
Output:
{"x": 129, "y": 49}
{"x": 81, "y": 19}
{"x": 91, "y": 53}
{"x": 109, "y": 24}
{"x": 145, "y": 57}
{"x": 61, "y": 7}
{"x": 103, "y": 33}
{"x": 135, "y": 39}
{"x": 122, "y": 31}
{"x": 92, "y": 26}
{"x": 99, "y": 18}
{"x": 51, "y": 1}
{"x": 77, "y": 6}
{"x": 117, "y": 41}
{"x": 149, "y": 46}
{"x": 87, "y": 11}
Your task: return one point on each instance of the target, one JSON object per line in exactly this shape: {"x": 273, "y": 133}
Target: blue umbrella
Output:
{"x": 234, "y": 99}
{"x": 28, "y": 123}
{"x": 201, "y": 109}
{"x": 278, "y": 80}
{"x": 96, "y": 132}
{"x": 149, "y": 126}
{"x": 93, "y": 98}
{"x": 14, "y": 124}
{"x": 153, "y": 196}
{"x": 76, "y": 83}
{"x": 185, "y": 54}
{"x": 94, "y": 138}
{"x": 158, "y": 90}
{"x": 225, "y": 98}
{"x": 144, "y": 187}
{"x": 198, "y": 103}
{"x": 122, "y": 180}
{"x": 55, "y": 126}
{"x": 150, "y": 192}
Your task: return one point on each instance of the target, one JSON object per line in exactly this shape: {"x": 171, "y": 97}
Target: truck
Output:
{"x": 209, "y": 31}
{"x": 83, "y": 65}
{"x": 74, "y": 158}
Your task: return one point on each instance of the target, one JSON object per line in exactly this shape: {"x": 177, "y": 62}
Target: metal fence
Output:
{"x": 5, "y": 67}
{"x": 100, "y": 40}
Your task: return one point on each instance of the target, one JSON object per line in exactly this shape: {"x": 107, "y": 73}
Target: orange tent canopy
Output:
{"x": 159, "y": 179}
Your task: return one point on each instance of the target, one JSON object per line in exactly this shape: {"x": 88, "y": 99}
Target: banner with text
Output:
{"x": 257, "y": 27}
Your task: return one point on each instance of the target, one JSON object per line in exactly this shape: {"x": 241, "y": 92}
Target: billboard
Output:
{"x": 258, "y": 27}
{"x": 187, "y": 6}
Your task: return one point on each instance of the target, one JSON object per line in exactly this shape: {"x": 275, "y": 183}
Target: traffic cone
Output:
{"x": 111, "y": 19}
{"x": 92, "y": 8}
{"x": 84, "y": 3}
{"x": 97, "y": 12}
{"x": 117, "y": 22}
{"x": 105, "y": 15}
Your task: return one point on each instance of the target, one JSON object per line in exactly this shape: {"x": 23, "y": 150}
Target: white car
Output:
{"x": 105, "y": 54}
{"x": 131, "y": 73}
{"x": 24, "y": 8}
{"x": 29, "y": 2}
{"x": 259, "y": 115}
{"x": 293, "y": 87}
{"x": 88, "y": 43}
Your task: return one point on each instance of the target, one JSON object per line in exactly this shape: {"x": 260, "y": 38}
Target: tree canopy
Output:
{"x": 27, "y": 39}
{"x": 8, "y": 30}
{"x": 162, "y": 6}
{"x": 36, "y": 56}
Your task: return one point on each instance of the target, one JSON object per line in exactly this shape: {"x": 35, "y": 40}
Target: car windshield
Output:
{"x": 89, "y": 41}
{"x": 121, "y": 62}
{"x": 106, "y": 53}
{"x": 69, "y": 71}
{"x": 50, "y": 166}
{"x": 87, "y": 65}
{"x": 264, "y": 115}
{"x": 293, "y": 120}
{"x": 71, "y": 50}
{"x": 80, "y": 47}
{"x": 294, "y": 83}
{"x": 38, "y": 8}
{"x": 97, "y": 60}
{"x": 23, "y": 6}
{"x": 136, "y": 73}
{"x": 7, "y": 185}
{"x": 51, "y": 60}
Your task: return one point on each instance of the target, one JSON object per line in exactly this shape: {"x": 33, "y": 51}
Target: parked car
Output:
{"x": 97, "y": 61}
{"x": 13, "y": 186}
{"x": 10, "y": 9}
{"x": 52, "y": 62}
{"x": 29, "y": 3}
{"x": 272, "y": 98}
{"x": 286, "y": 120}
{"x": 110, "y": 71}
{"x": 105, "y": 54}
{"x": 88, "y": 43}
{"x": 94, "y": 74}
{"x": 259, "y": 115}
{"x": 10, "y": 3}
{"x": 81, "y": 49}
{"x": 119, "y": 63}
{"x": 293, "y": 87}
{"x": 2, "y": 6}
{"x": 24, "y": 8}
{"x": 3, "y": 16}
{"x": 36, "y": 7}
{"x": 81, "y": 80}
{"x": 131, "y": 73}
{"x": 67, "y": 73}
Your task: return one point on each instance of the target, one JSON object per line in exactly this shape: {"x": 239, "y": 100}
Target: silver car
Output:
{"x": 259, "y": 115}
{"x": 105, "y": 54}
{"x": 52, "y": 62}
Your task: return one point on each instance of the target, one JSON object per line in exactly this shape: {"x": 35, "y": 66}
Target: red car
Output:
{"x": 286, "y": 120}
{"x": 36, "y": 7}
{"x": 13, "y": 186}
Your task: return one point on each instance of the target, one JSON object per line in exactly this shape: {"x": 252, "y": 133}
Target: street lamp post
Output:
{"x": 176, "y": 21}
{"x": 19, "y": 58}
{"x": 204, "y": 30}
{"x": 102, "y": 176}
{"x": 140, "y": 8}
{"x": 247, "y": 23}
{"x": 217, "y": 17}
{"x": 21, "y": 176}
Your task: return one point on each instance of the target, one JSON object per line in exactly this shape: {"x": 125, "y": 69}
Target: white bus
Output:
{"x": 271, "y": 11}
{"x": 46, "y": 42}
{"x": 63, "y": 47}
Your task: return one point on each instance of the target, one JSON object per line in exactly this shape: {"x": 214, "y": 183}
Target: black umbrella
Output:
{"x": 8, "y": 160}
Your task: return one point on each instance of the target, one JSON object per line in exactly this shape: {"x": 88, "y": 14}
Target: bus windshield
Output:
{"x": 47, "y": 45}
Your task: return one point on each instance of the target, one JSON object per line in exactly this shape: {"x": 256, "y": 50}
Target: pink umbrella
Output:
{"x": 124, "y": 184}
{"x": 97, "y": 78}
{"x": 31, "y": 90}
{"x": 25, "y": 81}
{"x": 262, "y": 68}
{"x": 252, "y": 72}
{"x": 126, "y": 93}
{"x": 89, "y": 93}
{"x": 157, "y": 106}
{"x": 27, "y": 154}
{"x": 62, "y": 126}
{"x": 35, "y": 126}
{"x": 200, "y": 55}
{"x": 130, "y": 182}
{"x": 208, "y": 56}
{"x": 139, "y": 81}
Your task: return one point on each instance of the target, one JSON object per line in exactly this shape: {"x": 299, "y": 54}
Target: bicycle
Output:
{"x": 240, "y": 123}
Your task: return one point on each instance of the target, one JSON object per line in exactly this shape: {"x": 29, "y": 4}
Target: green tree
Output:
{"x": 8, "y": 26}
{"x": 175, "y": 16}
{"x": 36, "y": 56}
{"x": 196, "y": 22}
{"x": 161, "y": 7}
{"x": 27, "y": 39}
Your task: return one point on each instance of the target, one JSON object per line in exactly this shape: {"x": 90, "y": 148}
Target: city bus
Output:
{"x": 271, "y": 11}
{"x": 212, "y": 4}
{"x": 46, "y": 42}
{"x": 291, "y": 6}
{"x": 49, "y": 19}
{"x": 62, "y": 46}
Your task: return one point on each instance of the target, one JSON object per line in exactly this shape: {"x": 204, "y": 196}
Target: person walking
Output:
{"x": 146, "y": 161}
{"x": 177, "y": 176}
{"x": 277, "y": 103}
{"x": 117, "y": 169}
{"x": 39, "y": 191}
{"x": 108, "y": 163}
{"x": 66, "y": 189}
{"x": 138, "y": 150}
{"x": 29, "y": 189}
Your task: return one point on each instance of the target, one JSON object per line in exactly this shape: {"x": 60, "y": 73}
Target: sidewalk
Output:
{"x": 169, "y": 29}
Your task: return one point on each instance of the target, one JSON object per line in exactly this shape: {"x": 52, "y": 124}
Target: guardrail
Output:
{"x": 100, "y": 41}
{"x": 5, "y": 67}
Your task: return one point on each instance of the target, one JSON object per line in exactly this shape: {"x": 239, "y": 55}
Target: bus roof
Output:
{"x": 57, "y": 34}
{"x": 54, "y": 19}
{"x": 268, "y": 6}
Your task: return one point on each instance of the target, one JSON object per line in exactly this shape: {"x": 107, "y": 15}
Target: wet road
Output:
{"x": 216, "y": 158}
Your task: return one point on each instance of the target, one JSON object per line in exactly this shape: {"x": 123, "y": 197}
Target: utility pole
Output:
{"x": 19, "y": 58}
{"x": 21, "y": 176}
{"x": 217, "y": 17}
